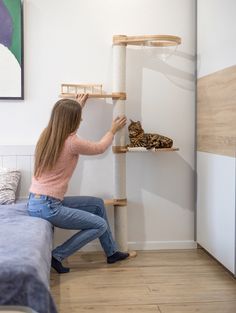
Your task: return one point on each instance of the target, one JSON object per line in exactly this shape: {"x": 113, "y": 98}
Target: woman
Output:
{"x": 57, "y": 153}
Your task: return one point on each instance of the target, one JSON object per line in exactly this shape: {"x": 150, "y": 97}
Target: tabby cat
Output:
{"x": 138, "y": 138}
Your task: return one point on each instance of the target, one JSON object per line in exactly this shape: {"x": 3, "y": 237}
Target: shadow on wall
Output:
{"x": 163, "y": 174}
{"x": 142, "y": 58}
{"x": 138, "y": 59}
{"x": 166, "y": 175}
{"x": 149, "y": 171}
{"x": 176, "y": 174}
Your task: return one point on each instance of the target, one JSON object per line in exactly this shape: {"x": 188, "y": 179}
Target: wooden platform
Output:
{"x": 120, "y": 149}
{"x": 94, "y": 95}
{"x": 71, "y": 90}
{"x": 183, "y": 281}
{"x": 121, "y": 202}
{"x": 147, "y": 40}
{"x": 152, "y": 150}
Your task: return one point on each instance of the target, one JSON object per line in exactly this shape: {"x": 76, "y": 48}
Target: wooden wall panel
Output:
{"x": 216, "y": 112}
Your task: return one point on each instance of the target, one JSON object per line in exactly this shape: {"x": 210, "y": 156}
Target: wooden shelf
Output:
{"x": 147, "y": 40}
{"x": 152, "y": 150}
{"x": 118, "y": 149}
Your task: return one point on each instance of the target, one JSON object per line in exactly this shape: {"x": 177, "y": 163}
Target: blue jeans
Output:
{"x": 87, "y": 214}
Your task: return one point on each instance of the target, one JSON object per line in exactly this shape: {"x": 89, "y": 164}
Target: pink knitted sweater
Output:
{"x": 54, "y": 183}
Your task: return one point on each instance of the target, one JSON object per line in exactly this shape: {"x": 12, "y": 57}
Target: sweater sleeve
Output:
{"x": 86, "y": 147}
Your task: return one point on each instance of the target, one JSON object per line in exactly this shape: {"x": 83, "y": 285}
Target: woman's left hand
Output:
{"x": 82, "y": 98}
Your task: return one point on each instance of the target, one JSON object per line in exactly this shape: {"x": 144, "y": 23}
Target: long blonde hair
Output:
{"x": 65, "y": 119}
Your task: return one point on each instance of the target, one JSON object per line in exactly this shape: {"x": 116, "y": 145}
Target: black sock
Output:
{"x": 58, "y": 266}
{"x": 117, "y": 256}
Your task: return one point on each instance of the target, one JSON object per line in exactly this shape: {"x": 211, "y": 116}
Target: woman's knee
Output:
{"x": 100, "y": 207}
{"x": 102, "y": 226}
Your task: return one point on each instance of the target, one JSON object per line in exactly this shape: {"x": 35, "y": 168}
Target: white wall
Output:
{"x": 216, "y": 173}
{"x": 71, "y": 41}
{"x": 216, "y": 45}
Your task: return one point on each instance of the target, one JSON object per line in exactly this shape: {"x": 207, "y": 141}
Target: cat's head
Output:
{"x": 135, "y": 128}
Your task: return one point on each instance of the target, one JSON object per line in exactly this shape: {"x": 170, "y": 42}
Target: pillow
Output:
{"x": 9, "y": 180}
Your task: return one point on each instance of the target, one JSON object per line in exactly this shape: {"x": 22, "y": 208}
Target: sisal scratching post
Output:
{"x": 120, "y": 217}
{"x": 120, "y": 212}
{"x": 119, "y": 176}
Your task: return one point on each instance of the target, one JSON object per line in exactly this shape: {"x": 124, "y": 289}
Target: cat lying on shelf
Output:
{"x": 138, "y": 138}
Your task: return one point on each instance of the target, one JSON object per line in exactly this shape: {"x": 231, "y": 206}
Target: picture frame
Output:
{"x": 11, "y": 50}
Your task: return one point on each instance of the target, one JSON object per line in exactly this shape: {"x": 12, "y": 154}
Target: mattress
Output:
{"x": 25, "y": 256}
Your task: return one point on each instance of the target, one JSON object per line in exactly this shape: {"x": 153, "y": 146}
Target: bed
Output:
{"x": 25, "y": 242}
{"x": 25, "y": 256}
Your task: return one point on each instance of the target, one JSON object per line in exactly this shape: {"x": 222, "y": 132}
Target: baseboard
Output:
{"x": 162, "y": 245}
{"x": 150, "y": 245}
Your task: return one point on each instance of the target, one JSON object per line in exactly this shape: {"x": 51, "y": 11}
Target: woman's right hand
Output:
{"x": 118, "y": 123}
{"x": 81, "y": 98}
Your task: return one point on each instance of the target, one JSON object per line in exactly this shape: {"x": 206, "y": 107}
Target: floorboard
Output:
{"x": 155, "y": 281}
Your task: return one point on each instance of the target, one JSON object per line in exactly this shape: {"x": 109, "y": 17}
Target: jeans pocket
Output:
{"x": 33, "y": 210}
{"x": 51, "y": 209}
{"x": 36, "y": 207}
{"x": 35, "y": 213}
{"x": 44, "y": 208}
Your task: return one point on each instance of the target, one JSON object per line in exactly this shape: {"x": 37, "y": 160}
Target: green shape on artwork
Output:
{"x": 14, "y": 9}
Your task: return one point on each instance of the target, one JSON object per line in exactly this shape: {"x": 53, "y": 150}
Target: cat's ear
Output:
{"x": 139, "y": 124}
{"x": 131, "y": 121}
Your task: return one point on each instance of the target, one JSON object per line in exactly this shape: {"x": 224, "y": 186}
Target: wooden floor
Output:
{"x": 183, "y": 281}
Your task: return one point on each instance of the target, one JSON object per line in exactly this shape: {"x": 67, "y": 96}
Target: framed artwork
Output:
{"x": 11, "y": 50}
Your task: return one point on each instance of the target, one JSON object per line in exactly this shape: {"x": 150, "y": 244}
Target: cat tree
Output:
{"x": 118, "y": 95}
